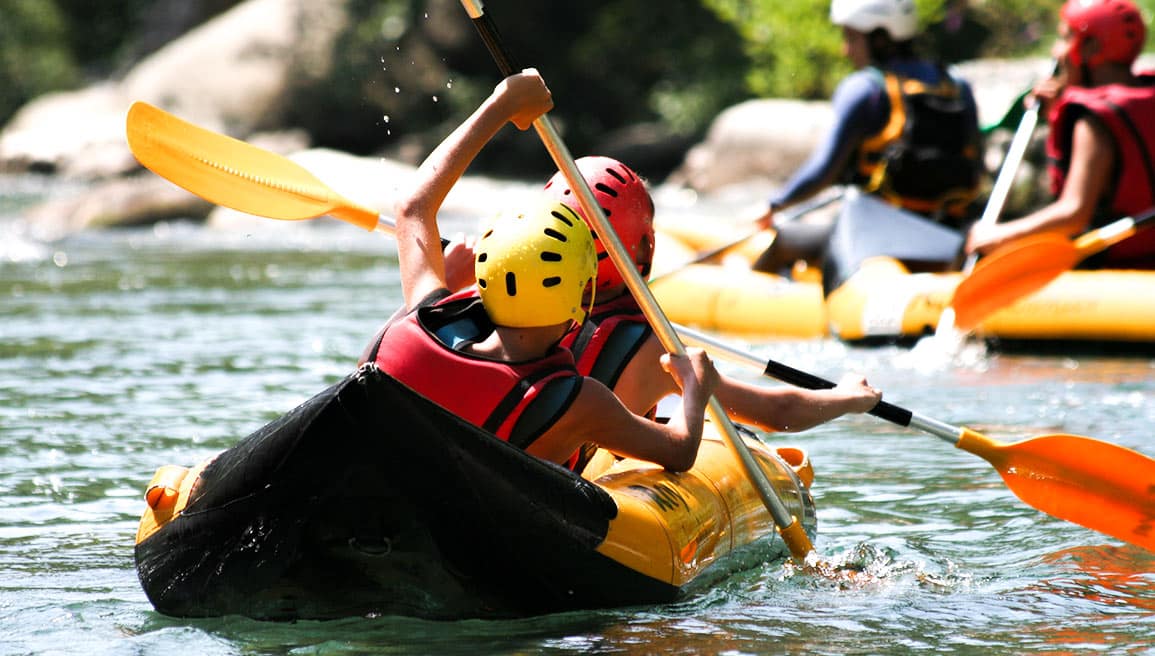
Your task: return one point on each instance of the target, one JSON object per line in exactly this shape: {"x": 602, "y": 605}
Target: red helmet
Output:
{"x": 1115, "y": 24}
{"x": 623, "y": 197}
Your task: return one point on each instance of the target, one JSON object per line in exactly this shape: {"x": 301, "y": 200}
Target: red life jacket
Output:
{"x": 1129, "y": 114}
{"x": 608, "y": 339}
{"x": 516, "y": 401}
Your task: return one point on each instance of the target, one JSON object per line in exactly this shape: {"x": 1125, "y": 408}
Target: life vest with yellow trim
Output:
{"x": 1128, "y": 112}
{"x": 516, "y": 401}
{"x": 927, "y": 157}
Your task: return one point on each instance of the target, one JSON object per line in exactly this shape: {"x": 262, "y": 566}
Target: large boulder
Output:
{"x": 232, "y": 74}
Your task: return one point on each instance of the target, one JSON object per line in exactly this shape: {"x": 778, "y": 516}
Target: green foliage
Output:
{"x": 34, "y": 57}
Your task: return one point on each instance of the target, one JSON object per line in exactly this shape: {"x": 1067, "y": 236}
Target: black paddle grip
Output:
{"x": 492, "y": 38}
{"x": 883, "y": 410}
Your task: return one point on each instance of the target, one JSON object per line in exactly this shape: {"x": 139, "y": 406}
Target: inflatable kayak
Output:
{"x": 884, "y": 301}
{"x": 369, "y": 499}
{"x": 861, "y": 296}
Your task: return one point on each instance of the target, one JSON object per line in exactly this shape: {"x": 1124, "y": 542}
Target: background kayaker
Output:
{"x": 870, "y": 143}
{"x": 492, "y": 355}
{"x": 1101, "y": 143}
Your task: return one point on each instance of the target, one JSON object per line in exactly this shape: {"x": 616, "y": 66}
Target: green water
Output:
{"x": 126, "y": 350}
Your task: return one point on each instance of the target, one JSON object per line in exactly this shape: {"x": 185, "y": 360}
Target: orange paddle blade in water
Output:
{"x": 232, "y": 173}
{"x": 1009, "y": 274}
{"x": 1101, "y": 486}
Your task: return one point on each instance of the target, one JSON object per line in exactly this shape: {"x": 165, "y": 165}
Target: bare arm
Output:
{"x": 598, "y": 416}
{"x": 793, "y": 409}
{"x": 1092, "y": 161}
{"x": 519, "y": 99}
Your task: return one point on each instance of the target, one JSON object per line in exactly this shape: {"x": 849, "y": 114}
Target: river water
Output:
{"x": 124, "y": 350}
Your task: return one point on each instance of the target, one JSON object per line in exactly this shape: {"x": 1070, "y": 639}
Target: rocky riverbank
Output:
{"x": 235, "y": 75}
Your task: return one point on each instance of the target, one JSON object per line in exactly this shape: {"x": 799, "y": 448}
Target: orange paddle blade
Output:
{"x": 232, "y": 173}
{"x": 1009, "y": 274}
{"x": 1102, "y": 486}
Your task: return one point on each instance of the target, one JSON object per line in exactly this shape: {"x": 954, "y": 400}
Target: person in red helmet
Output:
{"x": 616, "y": 345}
{"x": 1101, "y": 144}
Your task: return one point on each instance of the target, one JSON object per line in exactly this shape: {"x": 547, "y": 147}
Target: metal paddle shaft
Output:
{"x": 1101, "y": 486}
{"x": 789, "y": 215}
{"x": 996, "y": 201}
{"x": 789, "y": 527}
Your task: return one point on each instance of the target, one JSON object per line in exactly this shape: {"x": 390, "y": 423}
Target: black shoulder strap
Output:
{"x": 551, "y": 403}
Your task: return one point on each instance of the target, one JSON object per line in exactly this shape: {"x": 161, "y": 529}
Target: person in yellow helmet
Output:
{"x": 493, "y": 356}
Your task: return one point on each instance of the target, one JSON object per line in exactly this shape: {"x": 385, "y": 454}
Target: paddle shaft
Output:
{"x": 789, "y": 215}
{"x": 789, "y": 527}
{"x": 1100, "y": 239}
{"x": 788, "y": 374}
{"x": 1010, "y": 168}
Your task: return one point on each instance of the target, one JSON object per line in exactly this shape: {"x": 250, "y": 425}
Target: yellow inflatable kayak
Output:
{"x": 368, "y": 499}
{"x": 883, "y": 302}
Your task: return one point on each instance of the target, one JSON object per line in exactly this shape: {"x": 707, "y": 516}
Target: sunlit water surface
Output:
{"x": 125, "y": 350}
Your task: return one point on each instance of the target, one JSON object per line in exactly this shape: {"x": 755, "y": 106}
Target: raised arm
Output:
{"x": 520, "y": 99}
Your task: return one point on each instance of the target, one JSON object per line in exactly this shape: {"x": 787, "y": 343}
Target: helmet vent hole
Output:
{"x": 550, "y": 232}
{"x": 550, "y": 256}
{"x": 511, "y": 283}
{"x": 606, "y": 189}
{"x": 481, "y": 283}
{"x": 563, "y": 218}
{"x": 552, "y": 281}
{"x": 482, "y": 257}
{"x": 618, "y": 176}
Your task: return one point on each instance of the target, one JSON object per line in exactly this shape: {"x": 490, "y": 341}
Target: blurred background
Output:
{"x": 640, "y": 80}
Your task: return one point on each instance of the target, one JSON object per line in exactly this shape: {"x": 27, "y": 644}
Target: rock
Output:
{"x": 135, "y": 200}
{"x": 755, "y": 139}
{"x": 232, "y": 75}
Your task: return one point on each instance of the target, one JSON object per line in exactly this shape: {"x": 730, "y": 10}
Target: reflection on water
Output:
{"x": 126, "y": 350}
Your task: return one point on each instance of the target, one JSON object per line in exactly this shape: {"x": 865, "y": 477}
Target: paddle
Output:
{"x": 238, "y": 175}
{"x": 1101, "y": 486}
{"x": 788, "y": 526}
{"x": 1027, "y": 265}
{"x": 789, "y": 215}
{"x": 1002, "y": 188}
{"x": 270, "y": 185}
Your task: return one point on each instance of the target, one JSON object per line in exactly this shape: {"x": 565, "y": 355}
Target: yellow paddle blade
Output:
{"x": 1102, "y": 486}
{"x": 1009, "y": 274}
{"x": 232, "y": 173}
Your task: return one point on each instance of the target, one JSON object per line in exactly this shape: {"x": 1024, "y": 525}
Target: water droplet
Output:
{"x": 434, "y": 98}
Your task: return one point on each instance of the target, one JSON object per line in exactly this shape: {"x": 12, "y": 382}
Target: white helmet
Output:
{"x": 898, "y": 17}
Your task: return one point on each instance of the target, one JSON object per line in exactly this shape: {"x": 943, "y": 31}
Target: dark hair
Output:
{"x": 883, "y": 48}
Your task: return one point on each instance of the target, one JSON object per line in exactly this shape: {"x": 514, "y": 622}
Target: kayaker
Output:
{"x": 492, "y": 355}
{"x": 617, "y": 346}
{"x": 905, "y": 129}
{"x": 1101, "y": 143}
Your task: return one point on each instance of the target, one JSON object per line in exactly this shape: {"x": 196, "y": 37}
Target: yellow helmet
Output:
{"x": 533, "y": 267}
